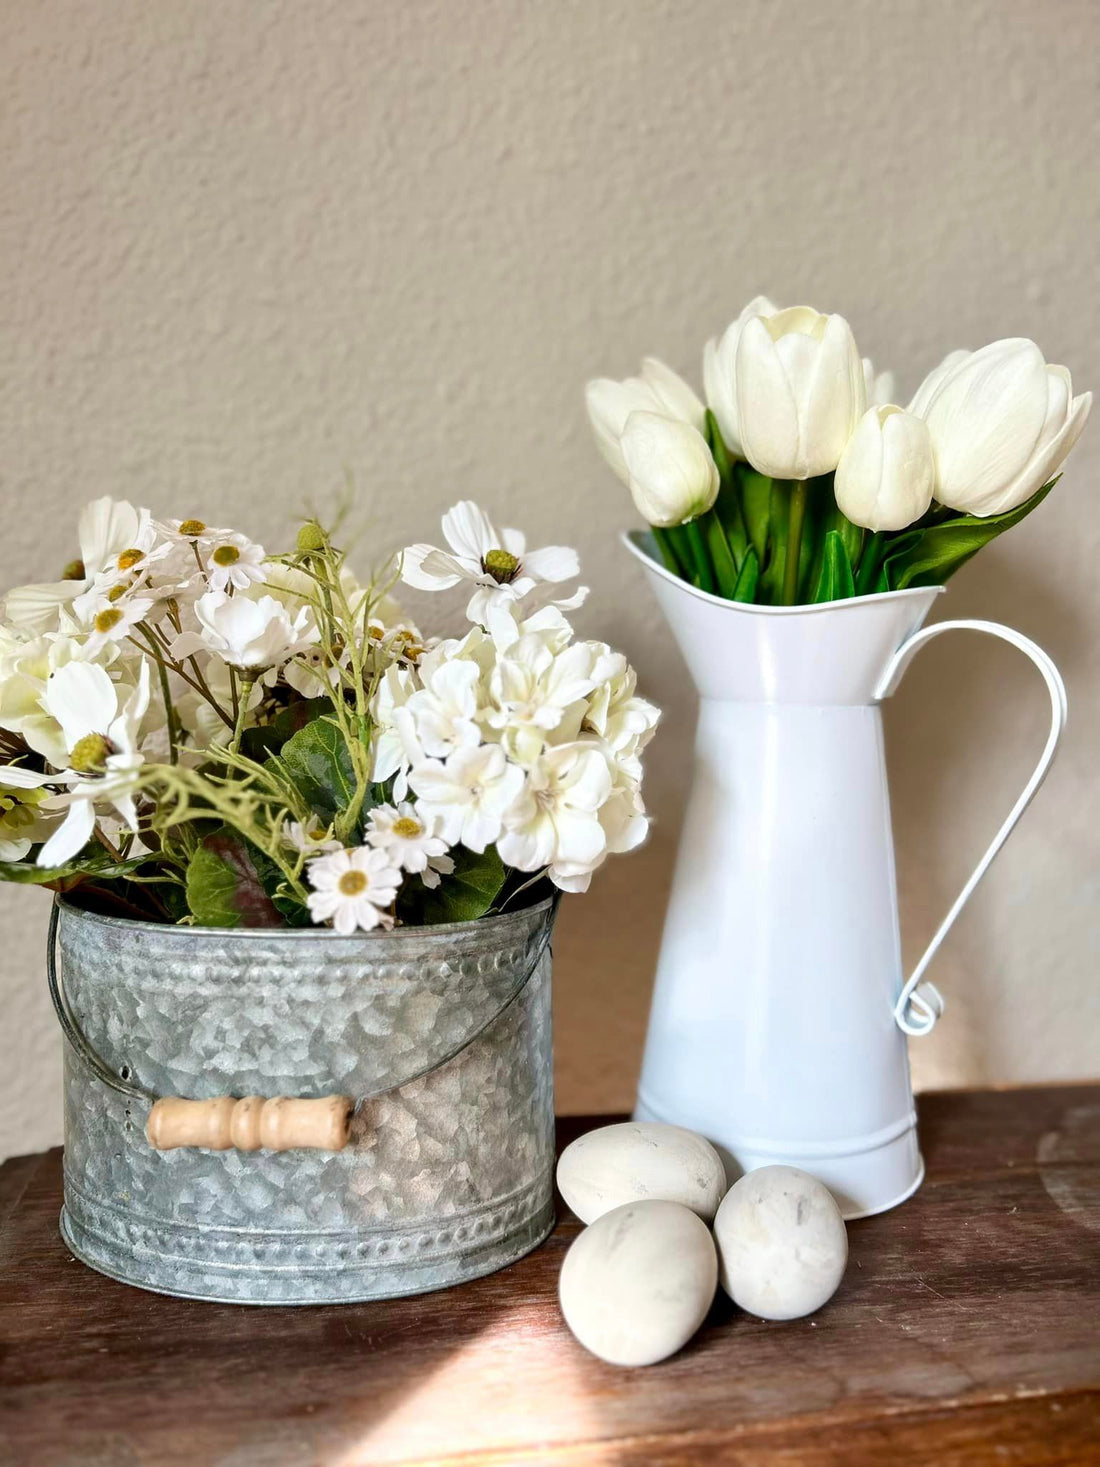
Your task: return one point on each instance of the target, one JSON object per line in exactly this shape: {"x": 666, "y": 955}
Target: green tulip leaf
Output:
{"x": 721, "y": 556}
{"x": 930, "y": 556}
{"x": 756, "y": 495}
{"x": 749, "y": 576}
{"x": 835, "y": 583}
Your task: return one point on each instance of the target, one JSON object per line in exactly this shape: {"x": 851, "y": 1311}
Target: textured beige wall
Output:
{"x": 243, "y": 246}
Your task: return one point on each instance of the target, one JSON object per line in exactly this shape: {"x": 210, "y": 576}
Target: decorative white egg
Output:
{"x": 782, "y": 1245}
{"x": 637, "y": 1284}
{"x": 640, "y": 1160}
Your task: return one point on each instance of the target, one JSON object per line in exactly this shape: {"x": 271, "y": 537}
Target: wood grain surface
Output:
{"x": 967, "y": 1330}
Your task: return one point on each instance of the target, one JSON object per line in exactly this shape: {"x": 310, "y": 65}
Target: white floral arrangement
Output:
{"x": 800, "y": 479}
{"x": 192, "y": 730}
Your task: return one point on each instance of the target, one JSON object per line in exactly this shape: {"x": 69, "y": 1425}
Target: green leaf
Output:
{"x": 72, "y": 873}
{"x": 745, "y": 589}
{"x": 721, "y": 556}
{"x": 756, "y": 494}
{"x": 771, "y": 576}
{"x": 668, "y": 555}
{"x": 224, "y": 885}
{"x": 835, "y": 582}
{"x": 268, "y": 738}
{"x": 461, "y": 897}
{"x": 319, "y": 764}
{"x": 937, "y": 552}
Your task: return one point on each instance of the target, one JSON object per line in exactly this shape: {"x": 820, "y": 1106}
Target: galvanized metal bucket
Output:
{"x": 441, "y": 1034}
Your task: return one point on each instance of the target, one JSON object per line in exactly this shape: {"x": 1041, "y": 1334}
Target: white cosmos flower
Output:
{"x": 104, "y": 762}
{"x": 470, "y": 793}
{"x": 25, "y": 668}
{"x": 235, "y": 561}
{"x": 353, "y": 889}
{"x": 556, "y": 817}
{"x": 496, "y": 562}
{"x": 445, "y": 708}
{"x": 411, "y": 839}
{"x": 250, "y": 635}
{"x": 107, "y": 530}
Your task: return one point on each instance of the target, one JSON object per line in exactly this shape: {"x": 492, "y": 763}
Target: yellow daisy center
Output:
{"x": 74, "y": 571}
{"x": 129, "y": 558}
{"x": 116, "y": 591}
{"x": 226, "y": 555}
{"x": 191, "y": 528}
{"x": 407, "y": 828}
{"x": 107, "y": 619}
{"x": 353, "y": 883}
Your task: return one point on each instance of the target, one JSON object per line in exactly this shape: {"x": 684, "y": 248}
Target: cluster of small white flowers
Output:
{"x": 75, "y": 679}
{"x": 515, "y": 735}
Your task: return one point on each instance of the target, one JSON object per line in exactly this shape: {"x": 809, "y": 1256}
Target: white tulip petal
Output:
{"x": 672, "y": 394}
{"x": 1040, "y": 469}
{"x": 766, "y": 409}
{"x": 673, "y": 477}
{"x": 929, "y": 387}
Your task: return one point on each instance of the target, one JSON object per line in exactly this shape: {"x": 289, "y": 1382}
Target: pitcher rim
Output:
{"x": 628, "y": 539}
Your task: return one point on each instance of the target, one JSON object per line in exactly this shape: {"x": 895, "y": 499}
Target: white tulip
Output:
{"x": 719, "y": 357}
{"x": 657, "y": 390}
{"x": 1002, "y": 421}
{"x": 887, "y": 473}
{"x": 879, "y": 386}
{"x": 800, "y": 392}
{"x": 670, "y": 471}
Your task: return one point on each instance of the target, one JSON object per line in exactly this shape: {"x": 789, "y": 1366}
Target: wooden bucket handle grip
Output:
{"x": 251, "y": 1124}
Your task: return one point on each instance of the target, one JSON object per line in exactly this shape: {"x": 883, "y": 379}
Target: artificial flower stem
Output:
{"x": 243, "y": 695}
{"x": 797, "y": 518}
{"x": 165, "y": 693}
{"x": 704, "y": 574}
{"x": 869, "y": 562}
{"x": 663, "y": 542}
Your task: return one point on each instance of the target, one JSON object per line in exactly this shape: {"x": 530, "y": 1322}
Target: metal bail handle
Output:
{"x": 919, "y": 1004}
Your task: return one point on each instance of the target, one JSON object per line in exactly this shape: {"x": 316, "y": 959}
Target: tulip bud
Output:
{"x": 719, "y": 386}
{"x": 658, "y": 390}
{"x": 879, "y": 386}
{"x": 887, "y": 473}
{"x": 671, "y": 473}
{"x": 800, "y": 392}
{"x": 1002, "y": 422}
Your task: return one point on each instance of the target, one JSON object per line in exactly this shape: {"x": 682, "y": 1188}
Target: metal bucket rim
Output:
{"x": 325, "y": 934}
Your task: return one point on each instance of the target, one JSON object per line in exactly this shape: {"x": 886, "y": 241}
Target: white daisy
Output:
{"x": 352, "y": 889}
{"x": 311, "y": 839}
{"x": 411, "y": 839}
{"x": 496, "y": 562}
{"x": 235, "y": 561}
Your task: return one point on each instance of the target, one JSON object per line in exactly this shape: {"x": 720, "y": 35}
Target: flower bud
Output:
{"x": 671, "y": 473}
{"x": 1002, "y": 422}
{"x": 887, "y": 473}
{"x": 800, "y": 392}
{"x": 719, "y": 358}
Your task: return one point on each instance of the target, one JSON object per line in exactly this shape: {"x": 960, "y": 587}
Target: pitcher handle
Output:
{"x": 920, "y": 1005}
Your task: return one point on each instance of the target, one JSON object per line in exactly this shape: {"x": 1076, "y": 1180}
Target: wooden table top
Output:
{"x": 967, "y": 1330}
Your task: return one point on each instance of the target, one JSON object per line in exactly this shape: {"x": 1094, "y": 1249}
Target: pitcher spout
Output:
{"x": 827, "y": 654}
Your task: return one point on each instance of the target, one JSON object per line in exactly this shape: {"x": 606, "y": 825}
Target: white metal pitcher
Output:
{"x": 780, "y": 1014}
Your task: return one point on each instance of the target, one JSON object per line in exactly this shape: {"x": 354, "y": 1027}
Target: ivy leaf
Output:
{"x": 268, "y": 738}
{"x": 931, "y": 556}
{"x": 319, "y": 763}
{"x": 224, "y": 886}
{"x": 835, "y": 583}
{"x": 461, "y": 897}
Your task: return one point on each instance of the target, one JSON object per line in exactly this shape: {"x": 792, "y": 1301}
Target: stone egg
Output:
{"x": 637, "y": 1284}
{"x": 782, "y": 1245}
{"x": 640, "y": 1160}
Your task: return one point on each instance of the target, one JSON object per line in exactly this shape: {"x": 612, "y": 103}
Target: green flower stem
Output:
{"x": 704, "y": 573}
{"x": 165, "y": 693}
{"x": 797, "y": 513}
{"x": 243, "y": 696}
{"x": 664, "y": 545}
